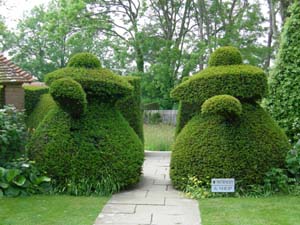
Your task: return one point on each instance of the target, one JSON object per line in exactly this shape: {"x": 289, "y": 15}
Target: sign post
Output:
{"x": 222, "y": 185}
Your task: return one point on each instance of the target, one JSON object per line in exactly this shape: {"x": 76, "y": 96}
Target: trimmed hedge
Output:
{"x": 96, "y": 152}
{"x": 224, "y": 105}
{"x": 69, "y": 95}
{"x": 99, "y": 147}
{"x": 245, "y": 149}
{"x": 233, "y": 137}
{"x": 45, "y": 104}
{"x": 224, "y": 56}
{"x": 84, "y": 60}
{"x": 186, "y": 111}
{"x": 241, "y": 81}
{"x": 131, "y": 107}
{"x": 100, "y": 84}
{"x": 284, "y": 100}
{"x": 32, "y": 97}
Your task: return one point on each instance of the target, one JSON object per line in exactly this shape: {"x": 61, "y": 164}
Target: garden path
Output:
{"x": 153, "y": 201}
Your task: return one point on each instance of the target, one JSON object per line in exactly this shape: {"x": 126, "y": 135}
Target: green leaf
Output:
{"x": 11, "y": 174}
{"x": 2, "y": 172}
{"x": 1, "y": 193}
{"x": 12, "y": 192}
{"x": 42, "y": 179}
{"x": 4, "y": 185}
{"x": 19, "y": 180}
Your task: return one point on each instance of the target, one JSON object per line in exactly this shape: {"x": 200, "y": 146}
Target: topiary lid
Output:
{"x": 84, "y": 60}
{"x": 244, "y": 82}
{"x": 101, "y": 84}
{"x": 241, "y": 81}
{"x": 225, "y": 56}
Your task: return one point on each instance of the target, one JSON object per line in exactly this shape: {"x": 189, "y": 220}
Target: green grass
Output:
{"x": 50, "y": 210}
{"x": 158, "y": 137}
{"x": 278, "y": 210}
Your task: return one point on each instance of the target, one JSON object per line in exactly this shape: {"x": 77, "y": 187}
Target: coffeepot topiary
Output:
{"x": 84, "y": 140}
{"x": 231, "y": 136}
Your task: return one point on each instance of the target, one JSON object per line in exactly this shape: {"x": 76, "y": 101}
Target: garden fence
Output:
{"x": 167, "y": 116}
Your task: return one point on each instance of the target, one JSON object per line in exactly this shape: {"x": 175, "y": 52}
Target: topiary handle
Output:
{"x": 224, "y": 105}
{"x": 69, "y": 95}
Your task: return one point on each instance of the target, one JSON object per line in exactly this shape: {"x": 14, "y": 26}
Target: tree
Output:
{"x": 284, "y": 100}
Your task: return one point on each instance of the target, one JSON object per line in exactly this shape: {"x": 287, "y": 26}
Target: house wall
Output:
{"x": 14, "y": 95}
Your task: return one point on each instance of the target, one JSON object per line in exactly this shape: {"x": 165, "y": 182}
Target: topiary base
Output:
{"x": 99, "y": 148}
{"x": 210, "y": 146}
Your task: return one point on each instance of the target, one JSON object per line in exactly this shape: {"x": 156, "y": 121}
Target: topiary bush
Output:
{"x": 225, "y": 56}
{"x": 186, "y": 111}
{"x": 93, "y": 152}
{"x": 69, "y": 95}
{"x": 284, "y": 99}
{"x": 231, "y": 136}
{"x": 224, "y": 105}
{"x": 84, "y": 60}
{"x": 32, "y": 97}
{"x": 45, "y": 104}
{"x": 131, "y": 108}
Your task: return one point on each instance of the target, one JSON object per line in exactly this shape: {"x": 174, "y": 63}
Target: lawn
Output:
{"x": 279, "y": 210}
{"x": 158, "y": 137}
{"x": 50, "y": 210}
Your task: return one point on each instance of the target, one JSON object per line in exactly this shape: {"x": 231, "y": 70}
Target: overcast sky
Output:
{"x": 14, "y": 9}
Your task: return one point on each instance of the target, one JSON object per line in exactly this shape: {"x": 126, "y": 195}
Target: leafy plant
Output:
{"x": 21, "y": 177}
{"x": 293, "y": 162}
{"x": 12, "y": 133}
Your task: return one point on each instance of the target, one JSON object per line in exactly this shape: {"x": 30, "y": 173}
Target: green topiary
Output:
{"x": 186, "y": 111}
{"x": 241, "y": 81}
{"x": 224, "y": 105}
{"x": 225, "y": 56}
{"x": 32, "y": 97}
{"x": 96, "y": 152}
{"x": 131, "y": 107}
{"x": 45, "y": 104}
{"x": 101, "y": 84}
{"x": 84, "y": 60}
{"x": 69, "y": 95}
{"x": 233, "y": 137}
{"x": 284, "y": 99}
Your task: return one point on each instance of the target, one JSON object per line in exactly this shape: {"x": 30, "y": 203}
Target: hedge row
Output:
{"x": 32, "y": 97}
{"x": 131, "y": 107}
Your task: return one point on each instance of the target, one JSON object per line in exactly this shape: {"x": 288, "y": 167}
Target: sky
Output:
{"x": 14, "y": 9}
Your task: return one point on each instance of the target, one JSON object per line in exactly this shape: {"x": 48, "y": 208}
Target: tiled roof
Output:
{"x": 10, "y": 73}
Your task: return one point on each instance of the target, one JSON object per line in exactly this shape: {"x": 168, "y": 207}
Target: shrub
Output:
{"x": 84, "y": 60}
{"x": 22, "y": 178}
{"x": 97, "y": 152}
{"x": 152, "y": 117}
{"x": 98, "y": 145}
{"x": 224, "y": 105}
{"x": 245, "y": 148}
{"x": 131, "y": 109}
{"x": 225, "y": 56}
{"x": 284, "y": 100}
{"x": 32, "y": 97}
{"x": 45, "y": 104}
{"x": 244, "y": 82}
{"x": 69, "y": 95}
{"x": 12, "y": 133}
{"x": 98, "y": 84}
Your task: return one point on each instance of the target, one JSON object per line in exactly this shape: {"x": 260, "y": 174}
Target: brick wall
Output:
{"x": 14, "y": 95}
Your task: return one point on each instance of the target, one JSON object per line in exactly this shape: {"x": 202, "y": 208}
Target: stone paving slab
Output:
{"x": 153, "y": 201}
